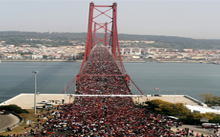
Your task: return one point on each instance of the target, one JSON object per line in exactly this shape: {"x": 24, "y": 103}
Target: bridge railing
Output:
{"x": 101, "y": 95}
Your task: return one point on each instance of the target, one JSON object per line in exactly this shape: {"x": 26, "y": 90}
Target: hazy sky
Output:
{"x": 184, "y": 18}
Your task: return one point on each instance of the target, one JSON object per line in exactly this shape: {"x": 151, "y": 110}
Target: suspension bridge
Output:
{"x": 103, "y": 104}
{"x": 102, "y": 70}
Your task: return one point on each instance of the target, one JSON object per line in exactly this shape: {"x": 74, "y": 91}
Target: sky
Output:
{"x": 184, "y": 18}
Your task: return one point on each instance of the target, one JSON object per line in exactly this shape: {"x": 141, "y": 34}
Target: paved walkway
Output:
{"x": 7, "y": 120}
{"x": 196, "y": 129}
{"x": 26, "y": 101}
{"x": 168, "y": 98}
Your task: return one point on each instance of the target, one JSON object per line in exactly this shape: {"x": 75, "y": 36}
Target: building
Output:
{"x": 197, "y": 109}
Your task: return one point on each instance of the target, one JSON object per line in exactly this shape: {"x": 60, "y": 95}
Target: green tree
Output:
{"x": 181, "y": 109}
{"x": 194, "y": 117}
{"x": 14, "y": 108}
{"x": 216, "y": 119}
{"x": 209, "y": 116}
{"x": 207, "y": 97}
{"x": 168, "y": 108}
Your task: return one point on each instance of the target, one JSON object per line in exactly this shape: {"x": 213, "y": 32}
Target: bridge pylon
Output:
{"x": 105, "y": 35}
{"x": 108, "y": 35}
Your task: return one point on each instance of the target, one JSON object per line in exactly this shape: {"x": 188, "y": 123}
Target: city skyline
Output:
{"x": 192, "y": 19}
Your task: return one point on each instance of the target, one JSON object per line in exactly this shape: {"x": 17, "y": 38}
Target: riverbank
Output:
{"x": 158, "y": 61}
{"x": 125, "y": 61}
{"x": 42, "y": 60}
{"x": 188, "y": 61}
{"x": 63, "y": 60}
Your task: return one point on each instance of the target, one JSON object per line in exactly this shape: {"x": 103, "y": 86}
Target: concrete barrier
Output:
{"x": 195, "y": 100}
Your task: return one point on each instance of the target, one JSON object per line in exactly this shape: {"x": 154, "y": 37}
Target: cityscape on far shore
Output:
{"x": 72, "y": 48}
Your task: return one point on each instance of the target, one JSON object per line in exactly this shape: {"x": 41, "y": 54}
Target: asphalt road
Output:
{"x": 197, "y": 129}
{"x": 7, "y": 120}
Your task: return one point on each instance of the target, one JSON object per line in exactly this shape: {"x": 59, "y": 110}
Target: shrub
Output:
{"x": 168, "y": 108}
{"x": 14, "y": 108}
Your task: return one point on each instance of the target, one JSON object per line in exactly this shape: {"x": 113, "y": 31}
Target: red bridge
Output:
{"x": 102, "y": 70}
{"x": 103, "y": 73}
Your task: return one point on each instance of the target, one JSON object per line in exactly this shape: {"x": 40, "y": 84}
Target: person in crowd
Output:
{"x": 105, "y": 116}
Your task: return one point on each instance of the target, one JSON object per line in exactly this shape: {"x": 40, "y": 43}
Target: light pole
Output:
{"x": 174, "y": 96}
{"x": 35, "y": 91}
{"x": 65, "y": 92}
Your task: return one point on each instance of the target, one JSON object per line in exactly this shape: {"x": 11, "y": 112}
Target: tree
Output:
{"x": 168, "y": 108}
{"x": 195, "y": 117}
{"x": 14, "y": 108}
{"x": 181, "y": 109}
{"x": 215, "y": 119}
{"x": 209, "y": 116}
{"x": 207, "y": 97}
{"x": 216, "y": 100}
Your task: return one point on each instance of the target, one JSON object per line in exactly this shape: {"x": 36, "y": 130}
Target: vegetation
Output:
{"x": 62, "y": 39}
{"x": 210, "y": 100}
{"x": 174, "y": 42}
{"x": 34, "y": 39}
{"x": 182, "y": 112}
{"x": 163, "y": 107}
{"x": 14, "y": 108}
{"x": 21, "y": 129}
{"x": 195, "y": 117}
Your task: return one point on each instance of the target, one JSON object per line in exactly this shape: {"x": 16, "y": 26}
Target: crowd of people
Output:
{"x": 105, "y": 116}
{"x": 101, "y": 75}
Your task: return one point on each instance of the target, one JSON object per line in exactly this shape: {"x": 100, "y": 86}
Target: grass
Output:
{"x": 20, "y": 129}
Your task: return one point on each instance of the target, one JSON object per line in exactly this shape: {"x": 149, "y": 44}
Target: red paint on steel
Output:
{"x": 70, "y": 85}
{"x": 94, "y": 34}
{"x": 114, "y": 31}
{"x": 106, "y": 34}
{"x": 93, "y": 38}
{"x": 137, "y": 87}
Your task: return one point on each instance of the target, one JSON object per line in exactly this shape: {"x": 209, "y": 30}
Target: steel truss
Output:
{"x": 108, "y": 38}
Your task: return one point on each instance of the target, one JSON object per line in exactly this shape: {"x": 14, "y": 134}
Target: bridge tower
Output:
{"x": 110, "y": 38}
{"x": 103, "y": 34}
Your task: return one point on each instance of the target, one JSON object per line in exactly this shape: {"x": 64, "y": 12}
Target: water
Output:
{"x": 54, "y": 77}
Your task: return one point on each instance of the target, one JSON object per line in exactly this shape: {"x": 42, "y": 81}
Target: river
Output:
{"x": 54, "y": 77}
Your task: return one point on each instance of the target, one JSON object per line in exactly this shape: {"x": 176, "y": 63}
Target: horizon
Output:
{"x": 190, "y": 19}
{"x": 118, "y": 33}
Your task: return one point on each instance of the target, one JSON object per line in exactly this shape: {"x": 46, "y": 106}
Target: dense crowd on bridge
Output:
{"x": 108, "y": 116}
{"x": 105, "y": 116}
{"x": 101, "y": 63}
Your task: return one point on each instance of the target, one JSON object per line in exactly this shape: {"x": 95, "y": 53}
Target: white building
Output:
{"x": 37, "y": 56}
{"x": 197, "y": 109}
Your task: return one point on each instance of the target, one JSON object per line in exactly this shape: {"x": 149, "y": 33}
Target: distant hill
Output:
{"x": 17, "y": 38}
{"x": 174, "y": 42}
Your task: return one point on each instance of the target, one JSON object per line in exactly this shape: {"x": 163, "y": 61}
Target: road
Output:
{"x": 196, "y": 129}
{"x": 7, "y": 120}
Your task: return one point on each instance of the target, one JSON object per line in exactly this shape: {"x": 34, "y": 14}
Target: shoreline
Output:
{"x": 124, "y": 61}
{"x": 196, "y": 62}
{"x": 179, "y": 62}
{"x": 29, "y": 60}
